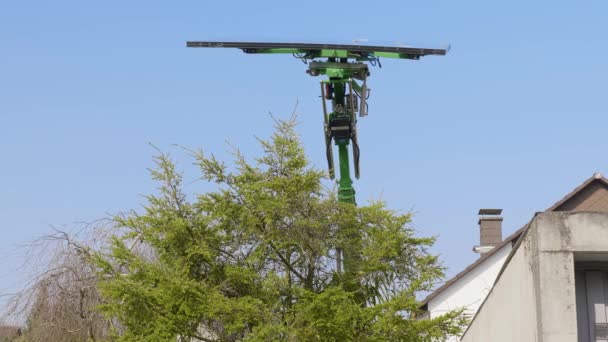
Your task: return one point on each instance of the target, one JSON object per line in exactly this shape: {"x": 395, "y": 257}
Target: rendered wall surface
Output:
{"x": 470, "y": 290}
{"x": 508, "y": 313}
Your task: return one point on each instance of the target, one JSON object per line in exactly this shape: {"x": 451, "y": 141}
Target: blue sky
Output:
{"x": 513, "y": 117}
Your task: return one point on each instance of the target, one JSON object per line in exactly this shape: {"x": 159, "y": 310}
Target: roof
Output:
{"x": 581, "y": 198}
{"x": 585, "y": 203}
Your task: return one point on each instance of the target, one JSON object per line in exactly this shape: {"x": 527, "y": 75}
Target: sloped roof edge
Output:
{"x": 596, "y": 177}
{"x": 510, "y": 239}
{"x": 524, "y": 232}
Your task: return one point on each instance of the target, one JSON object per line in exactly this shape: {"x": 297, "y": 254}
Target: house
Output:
{"x": 553, "y": 285}
{"x": 471, "y": 287}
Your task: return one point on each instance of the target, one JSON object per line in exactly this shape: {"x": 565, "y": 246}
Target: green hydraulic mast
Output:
{"x": 346, "y": 70}
{"x": 344, "y": 65}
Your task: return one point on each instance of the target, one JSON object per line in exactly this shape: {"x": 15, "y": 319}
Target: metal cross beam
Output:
{"x": 324, "y": 50}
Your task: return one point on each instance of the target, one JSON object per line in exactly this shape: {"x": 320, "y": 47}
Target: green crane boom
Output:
{"x": 345, "y": 66}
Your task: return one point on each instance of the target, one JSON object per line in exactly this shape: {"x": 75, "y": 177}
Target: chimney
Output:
{"x": 490, "y": 230}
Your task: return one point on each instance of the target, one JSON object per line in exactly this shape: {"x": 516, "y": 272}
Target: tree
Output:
{"x": 59, "y": 304}
{"x": 255, "y": 260}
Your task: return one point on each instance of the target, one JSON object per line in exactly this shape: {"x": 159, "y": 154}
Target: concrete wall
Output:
{"x": 471, "y": 290}
{"x": 508, "y": 313}
{"x": 534, "y": 297}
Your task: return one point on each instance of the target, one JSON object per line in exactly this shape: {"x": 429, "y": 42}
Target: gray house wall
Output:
{"x": 534, "y": 296}
{"x": 512, "y": 293}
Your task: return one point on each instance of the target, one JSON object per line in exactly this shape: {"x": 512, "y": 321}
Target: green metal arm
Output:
{"x": 342, "y": 65}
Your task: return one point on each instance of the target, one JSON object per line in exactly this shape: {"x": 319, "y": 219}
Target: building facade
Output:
{"x": 553, "y": 286}
{"x": 470, "y": 288}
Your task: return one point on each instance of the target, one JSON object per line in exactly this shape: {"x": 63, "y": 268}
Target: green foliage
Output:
{"x": 256, "y": 260}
